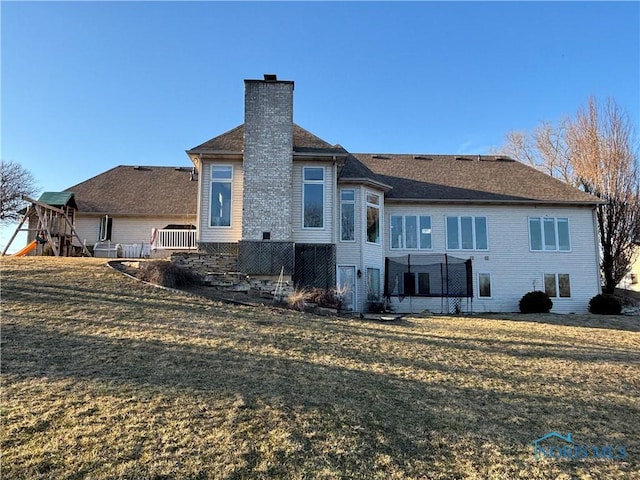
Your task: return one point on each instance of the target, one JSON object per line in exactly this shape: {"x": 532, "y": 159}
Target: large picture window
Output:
{"x": 373, "y": 218}
{"x": 549, "y": 234}
{"x": 410, "y": 232}
{"x": 467, "y": 233}
{"x": 348, "y": 215}
{"x": 221, "y": 178}
{"x": 313, "y": 197}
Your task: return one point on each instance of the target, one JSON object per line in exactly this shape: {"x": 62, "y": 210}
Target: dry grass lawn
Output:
{"x": 104, "y": 377}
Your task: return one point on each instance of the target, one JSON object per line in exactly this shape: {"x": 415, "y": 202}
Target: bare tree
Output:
{"x": 554, "y": 151}
{"x": 544, "y": 149}
{"x": 600, "y": 138}
{"x": 594, "y": 151}
{"x": 15, "y": 181}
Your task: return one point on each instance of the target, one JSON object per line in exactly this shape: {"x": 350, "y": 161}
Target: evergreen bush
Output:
{"x": 535, "y": 302}
{"x": 605, "y": 304}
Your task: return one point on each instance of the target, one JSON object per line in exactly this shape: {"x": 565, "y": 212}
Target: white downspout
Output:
{"x": 200, "y": 172}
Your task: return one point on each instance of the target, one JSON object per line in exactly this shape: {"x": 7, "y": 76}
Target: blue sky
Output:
{"x": 90, "y": 85}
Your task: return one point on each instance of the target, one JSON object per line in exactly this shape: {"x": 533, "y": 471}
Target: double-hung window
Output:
{"x": 557, "y": 285}
{"x": 549, "y": 234}
{"x": 413, "y": 232}
{"x": 313, "y": 197}
{"x": 221, "y": 180}
{"x": 373, "y": 218}
{"x": 348, "y": 215}
{"x": 467, "y": 233}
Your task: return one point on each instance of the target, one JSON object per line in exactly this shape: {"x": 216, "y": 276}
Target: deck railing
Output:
{"x": 165, "y": 239}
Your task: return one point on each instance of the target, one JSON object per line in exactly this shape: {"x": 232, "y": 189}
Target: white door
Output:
{"x": 347, "y": 285}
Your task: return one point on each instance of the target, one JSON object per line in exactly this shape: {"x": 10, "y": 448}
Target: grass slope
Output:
{"x": 104, "y": 377}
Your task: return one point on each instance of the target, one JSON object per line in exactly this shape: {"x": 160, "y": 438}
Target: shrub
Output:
{"x": 376, "y": 306}
{"x": 167, "y": 274}
{"x": 605, "y": 304}
{"x": 324, "y": 298}
{"x": 297, "y": 299}
{"x": 535, "y": 302}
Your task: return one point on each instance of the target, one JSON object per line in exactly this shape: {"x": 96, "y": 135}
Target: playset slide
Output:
{"x": 25, "y": 250}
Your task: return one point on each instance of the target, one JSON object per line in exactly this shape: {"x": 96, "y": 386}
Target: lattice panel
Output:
{"x": 315, "y": 266}
{"x": 265, "y": 257}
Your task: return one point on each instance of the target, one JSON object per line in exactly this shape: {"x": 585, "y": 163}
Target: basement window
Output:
{"x": 557, "y": 285}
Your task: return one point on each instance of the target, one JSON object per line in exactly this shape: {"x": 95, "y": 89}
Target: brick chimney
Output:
{"x": 267, "y": 159}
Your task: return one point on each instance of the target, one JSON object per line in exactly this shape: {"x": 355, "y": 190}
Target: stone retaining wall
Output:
{"x": 204, "y": 263}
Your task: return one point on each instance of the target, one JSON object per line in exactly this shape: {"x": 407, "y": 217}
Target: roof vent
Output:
{"x": 504, "y": 159}
{"x": 380, "y": 157}
{"x": 421, "y": 157}
{"x": 270, "y": 77}
{"x": 137, "y": 167}
{"x": 463, "y": 158}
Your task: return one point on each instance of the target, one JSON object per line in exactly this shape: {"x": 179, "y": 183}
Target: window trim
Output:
{"x": 223, "y": 180}
{"x": 557, "y": 285}
{"x": 490, "y": 285}
{"x": 348, "y": 202}
{"x": 542, "y": 232}
{"x": 473, "y": 233}
{"x": 403, "y": 238}
{"x": 324, "y": 195}
{"x": 378, "y": 207}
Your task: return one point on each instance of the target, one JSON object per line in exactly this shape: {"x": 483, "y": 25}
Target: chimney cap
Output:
{"x": 270, "y": 77}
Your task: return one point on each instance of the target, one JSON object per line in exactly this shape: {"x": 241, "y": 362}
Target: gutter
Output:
{"x": 382, "y": 186}
{"x": 320, "y": 154}
{"x": 494, "y": 202}
{"x": 136, "y": 215}
{"x": 213, "y": 152}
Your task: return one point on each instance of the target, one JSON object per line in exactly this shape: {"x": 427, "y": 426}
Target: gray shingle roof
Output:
{"x": 129, "y": 190}
{"x": 233, "y": 141}
{"x": 469, "y": 178}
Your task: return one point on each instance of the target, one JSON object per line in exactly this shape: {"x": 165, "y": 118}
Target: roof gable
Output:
{"x": 139, "y": 190}
{"x": 233, "y": 142}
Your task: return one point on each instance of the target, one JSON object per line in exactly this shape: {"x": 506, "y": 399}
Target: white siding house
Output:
{"x": 208, "y": 231}
{"x": 134, "y": 205}
{"x": 348, "y": 204}
{"x": 508, "y": 263}
{"x": 415, "y": 231}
